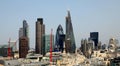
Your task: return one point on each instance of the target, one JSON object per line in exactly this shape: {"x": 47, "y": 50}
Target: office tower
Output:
{"x": 26, "y": 31}
{"x": 23, "y": 47}
{"x": 87, "y": 47}
{"x": 25, "y": 28}
{"x": 91, "y": 43}
{"x": 20, "y": 32}
{"x": 4, "y": 50}
{"x": 69, "y": 38}
{"x": 68, "y": 46}
{"x": 83, "y": 46}
{"x": 23, "y": 40}
{"x": 59, "y": 39}
{"x": 40, "y": 39}
{"x": 47, "y": 43}
{"x": 90, "y": 48}
{"x": 95, "y": 37}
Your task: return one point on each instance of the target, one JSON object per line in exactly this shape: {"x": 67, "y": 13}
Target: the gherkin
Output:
{"x": 59, "y": 39}
{"x": 69, "y": 38}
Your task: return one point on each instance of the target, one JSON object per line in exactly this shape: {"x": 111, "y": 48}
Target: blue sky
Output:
{"x": 88, "y": 16}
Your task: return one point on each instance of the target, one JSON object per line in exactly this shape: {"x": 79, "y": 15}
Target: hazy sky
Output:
{"x": 88, "y": 16}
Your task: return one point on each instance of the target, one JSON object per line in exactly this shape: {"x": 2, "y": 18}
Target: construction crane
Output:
{"x": 51, "y": 47}
{"x": 15, "y": 45}
{"x": 9, "y": 47}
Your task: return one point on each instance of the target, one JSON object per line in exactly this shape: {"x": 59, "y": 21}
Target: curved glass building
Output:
{"x": 59, "y": 39}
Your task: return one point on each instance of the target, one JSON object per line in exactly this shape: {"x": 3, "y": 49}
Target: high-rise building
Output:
{"x": 68, "y": 46}
{"x": 59, "y": 39}
{"x": 23, "y": 47}
{"x": 25, "y": 28}
{"x": 69, "y": 38}
{"x": 40, "y": 37}
{"x": 47, "y": 43}
{"x": 20, "y": 32}
{"x": 26, "y": 31}
{"x": 87, "y": 47}
{"x": 23, "y": 40}
{"x": 95, "y": 37}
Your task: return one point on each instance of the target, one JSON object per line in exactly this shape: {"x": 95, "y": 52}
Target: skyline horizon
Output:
{"x": 55, "y": 33}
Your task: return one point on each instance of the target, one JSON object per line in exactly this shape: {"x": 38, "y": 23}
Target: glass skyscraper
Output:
{"x": 26, "y": 31}
{"x": 59, "y": 39}
{"x": 20, "y": 32}
{"x": 23, "y": 40}
{"x": 69, "y": 39}
{"x": 47, "y": 43}
{"x": 95, "y": 37}
{"x": 25, "y": 28}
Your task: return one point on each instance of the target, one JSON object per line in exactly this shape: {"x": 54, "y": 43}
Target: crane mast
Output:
{"x": 9, "y": 49}
{"x": 51, "y": 47}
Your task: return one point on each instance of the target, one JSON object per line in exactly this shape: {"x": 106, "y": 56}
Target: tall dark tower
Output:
{"x": 69, "y": 39}
{"x": 26, "y": 31}
{"x": 25, "y": 28}
{"x": 23, "y": 40}
{"x": 59, "y": 39}
{"x": 40, "y": 33}
{"x": 23, "y": 47}
{"x": 95, "y": 37}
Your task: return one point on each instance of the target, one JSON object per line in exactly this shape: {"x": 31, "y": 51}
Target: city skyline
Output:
{"x": 87, "y": 16}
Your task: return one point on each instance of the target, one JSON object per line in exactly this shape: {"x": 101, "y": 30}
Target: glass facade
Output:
{"x": 69, "y": 34}
{"x": 47, "y": 43}
{"x": 25, "y": 28}
{"x": 59, "y": 39}
{"x": 94, "y": 36}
